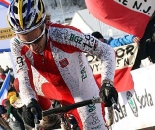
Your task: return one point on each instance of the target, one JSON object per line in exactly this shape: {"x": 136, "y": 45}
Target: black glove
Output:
{"x": 107, "y": 92}
{"x": 28, "y": 116}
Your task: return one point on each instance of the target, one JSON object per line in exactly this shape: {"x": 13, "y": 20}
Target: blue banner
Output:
{"x": 4, "y": 88}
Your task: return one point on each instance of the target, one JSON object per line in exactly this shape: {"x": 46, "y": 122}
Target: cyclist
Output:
{"x": 57, "y": 56}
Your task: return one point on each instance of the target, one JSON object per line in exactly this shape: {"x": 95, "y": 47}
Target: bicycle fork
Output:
{"x": 64, "y": 123}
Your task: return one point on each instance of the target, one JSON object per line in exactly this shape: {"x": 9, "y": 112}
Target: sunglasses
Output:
{"x": 35, "y": 41}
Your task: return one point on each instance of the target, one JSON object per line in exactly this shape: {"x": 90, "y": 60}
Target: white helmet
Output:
{"x": 26, "y": 15}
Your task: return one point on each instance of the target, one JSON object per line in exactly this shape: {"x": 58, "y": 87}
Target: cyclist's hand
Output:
{"x": 28, "y": 116}
{"x": 107, "y": 92}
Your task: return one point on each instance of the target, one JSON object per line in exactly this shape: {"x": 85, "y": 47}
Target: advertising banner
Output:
{"x": 5, "y": 31}
{"x": 137, "y": 106}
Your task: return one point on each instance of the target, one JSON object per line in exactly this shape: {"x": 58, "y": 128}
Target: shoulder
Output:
{"x": 14, "y": 43}
{"x": 15, "y": 46}
{"x": 56, "y": 26}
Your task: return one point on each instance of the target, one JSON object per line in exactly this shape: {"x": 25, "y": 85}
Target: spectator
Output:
{"x": 4, "y": 115}
{"x": 147, "y": 44}
{"x": 4, "y": 124}
{"x": 128, "y": 39}
{"x": 7, "y": 69}
{"x": 13, "y": 117}
{"x": 2, "y": 78}
{"x": 11, "y": 80}
{"x": 1, "y": 70}
{"x": 150, "y": 50}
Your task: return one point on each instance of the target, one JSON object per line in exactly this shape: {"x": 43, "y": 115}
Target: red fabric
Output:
{"x": 65, "y": 99}
{"x": 44, "y": 103}
{"x": 122, "y": 80}
{"x": 119, "y": 16}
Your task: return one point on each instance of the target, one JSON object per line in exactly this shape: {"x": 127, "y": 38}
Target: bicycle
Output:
{"x": 63, "y": 110}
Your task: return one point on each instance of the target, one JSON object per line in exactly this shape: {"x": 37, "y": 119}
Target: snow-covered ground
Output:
{"x": 5, "y": 60}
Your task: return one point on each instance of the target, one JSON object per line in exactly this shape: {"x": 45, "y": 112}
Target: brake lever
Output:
{"x": 114, "y": 104}
{"x": 99, "y": 100}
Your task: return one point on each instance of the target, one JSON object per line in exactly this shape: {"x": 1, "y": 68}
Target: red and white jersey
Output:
{"x": 62, "y": 72}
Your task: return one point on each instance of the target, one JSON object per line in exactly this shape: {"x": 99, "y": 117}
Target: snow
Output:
{"x": 5, "y": 60}
{"x": 64, "y": 10}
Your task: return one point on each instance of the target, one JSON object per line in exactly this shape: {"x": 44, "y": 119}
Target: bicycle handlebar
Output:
{"x": 65, "y": 109}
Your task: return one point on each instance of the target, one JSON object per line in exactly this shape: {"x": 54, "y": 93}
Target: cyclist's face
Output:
{"x": 35, "y": 40}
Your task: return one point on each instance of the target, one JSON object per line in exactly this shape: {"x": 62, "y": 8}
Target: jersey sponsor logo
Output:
{"x": 91, "y": 41}
{"x": 16, "y": 41}
{"x": 20, "y": 61}
{"x": 76, "y": 39}
{"x": 64, "y": 62}
{"x": 92, "y": 122}
{"x": 83, "y": 73}
{"x": 87, "y": 42}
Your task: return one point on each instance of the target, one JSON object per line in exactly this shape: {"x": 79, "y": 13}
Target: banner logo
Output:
{"x": 132, "y": 103}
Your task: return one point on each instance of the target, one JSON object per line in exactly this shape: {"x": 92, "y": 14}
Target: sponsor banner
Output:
{"x": 125, "y": 58}
{"x": 137, "y": 105}
{"x": 5, "y": 31}
{"x": 132, "y": 15}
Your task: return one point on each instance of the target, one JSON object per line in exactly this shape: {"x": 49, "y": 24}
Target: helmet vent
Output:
{"x": 24, "y": 8}
{"x": 13, "y": 21}
{"x": 15, "y": 10}
{"x": 29, "y": 16}
{"x": 32, "y": 4}
{"x": 39, "y": 5}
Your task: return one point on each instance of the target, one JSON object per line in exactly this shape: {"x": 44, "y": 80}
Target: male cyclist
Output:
{"x": 57, "y": 55}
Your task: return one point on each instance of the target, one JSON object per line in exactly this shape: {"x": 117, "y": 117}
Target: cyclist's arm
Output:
{"x": 23, "y": 70}
{"x": 86, "y": 43}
